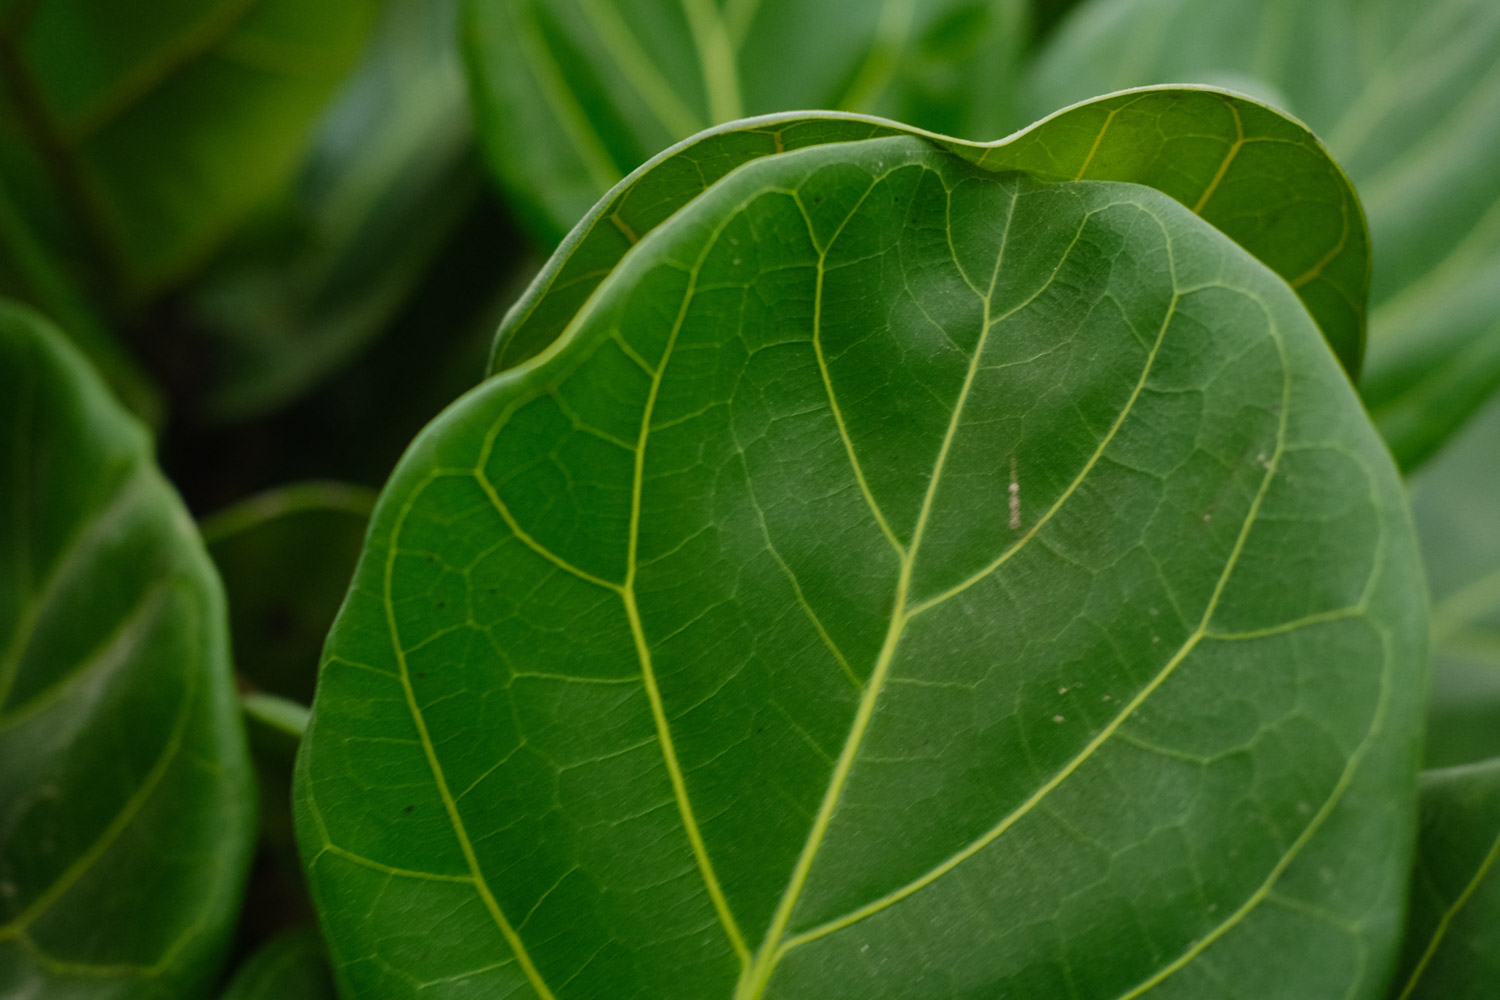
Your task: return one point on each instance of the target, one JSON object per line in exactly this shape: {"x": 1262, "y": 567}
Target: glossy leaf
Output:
{"x": 572, "y": 95}
{"x": 289, "y": 967}
{"x": 137, "y": 160}
{"x": 127, "y": 810}
{"x": 1456, "y": 501}
{"x": 900, "y": 580}
{"x": 286, "y": 556}
{"x": 391, "y": 172}
{"x": 1453, "y": 938}
{"x": 1259, "y": 177}
{"x": 1407, "y": 97}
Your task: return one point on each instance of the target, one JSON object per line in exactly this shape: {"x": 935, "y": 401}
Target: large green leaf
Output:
{"x": 572, "y": 95}
{"x": 127, "y": 810}
{"x": 138, "y": 158}
{"x": 1259, "y": 177}
{"x": 1453, "y": 939}
{"x": 289, "y": 967}
{"x": 900, "y": 580}
{"x": 390, "y": 174}
{"x": 1407, "y": 96}
{"x": 1456, "y": 500}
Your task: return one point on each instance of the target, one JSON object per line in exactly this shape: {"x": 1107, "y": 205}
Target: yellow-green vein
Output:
{"x": 823, "y": 370}
{"x": 455, "y": 819}
{"x": 1234, "y": 150}
{"x": 643, "y": 645}
{"x": 1090, "y": 748}
{"x": 526, "y": 538}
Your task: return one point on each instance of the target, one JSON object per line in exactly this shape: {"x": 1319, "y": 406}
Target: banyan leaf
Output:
{"x": 1407, "y": 97}
{"x": 1456, "y": 502}
{"x": 285, "y": 557}
{"x": 1453, "y": 938}
{"x": 127, "y": 809}
{"x": 390, "y": 174}
{"x": 572, "y": 95}
{"x": 901, "y": 579}
{"x": 289, "y": 967}
{"x": 1258, "y": 176}
{"x": 137, "y": 161}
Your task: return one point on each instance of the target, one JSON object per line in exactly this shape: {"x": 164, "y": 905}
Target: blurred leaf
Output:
{"x": 1453, "y": 934}
{"x": 1407, "y": 97}
{"x": 286, "y": 557}
{"x": 127, "y": 811}
{"x": 572, "y": 95}
{"x": 903, "y": 579}
{"x": 135, "y": 136}
{"x": 1456, "y": 502}
{"x": 390, "y": 176}
{"x": 29, "y": 273}
{"x": 293, "y": 966}
{"x": 1259, "y": 177}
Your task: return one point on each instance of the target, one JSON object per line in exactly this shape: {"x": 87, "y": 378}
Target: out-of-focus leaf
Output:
{"x": 127, "y": 810}
{"x": 1259, "y": 177}
{"x": 286, "y": 557}
{"x": 1453, "y": 935}
{"x": 290, "y": 967}
{"x": 1456, "y": 501}
{"x": 572, "y": 95}
{"x": 391, "y": 173}
{"x": 28, "y": 273}
{"x": 902, "y": 579}
{"x": 1407, "y": 97}
{"x": 135, "y": 136}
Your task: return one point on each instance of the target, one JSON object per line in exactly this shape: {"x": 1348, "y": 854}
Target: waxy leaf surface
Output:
{"x": 900, "y": 580}
{"x": 1453, "y": 936}
{"x": 1407, "y": 97}
{"x": 127, "y": 810}
{"x": 1258, "y": 176}
{"x": 572, "y": 95}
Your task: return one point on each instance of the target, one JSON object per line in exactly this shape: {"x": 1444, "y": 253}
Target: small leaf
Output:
{"x": 289, "y": 967}
{"x": 899, "y": 580}
{"x": 127, "y": 809}
{"x": 286, "y": 556}
{"x": 1453, "y": 935}
{"x": 1259, "y": 177}
{"x": 1456, "y": 501}
{"x": 1407, "y": 97}
{"x": 572, "y": 95}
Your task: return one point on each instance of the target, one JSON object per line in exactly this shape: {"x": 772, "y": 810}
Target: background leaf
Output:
{"x": 1259, "y": 177}
{"x": 572, "y": 95}
{"x": 901, "y": 580}
{"x": 391, "y": 172}
{"x": 291, "y": 967}
{"x": 1407, "y": 97}
{"x": 286, "y": 556}
{"x": 1453, "y": 938}
{"x": 126, "y": 803}
{"x": 139, "y": 159}
{"x": 1456, "y": 502}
